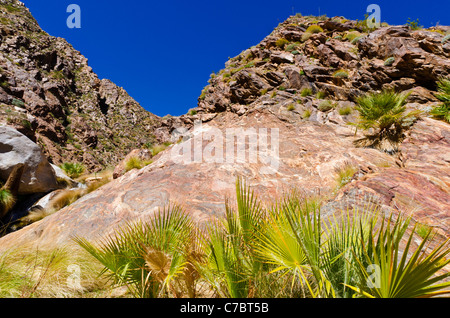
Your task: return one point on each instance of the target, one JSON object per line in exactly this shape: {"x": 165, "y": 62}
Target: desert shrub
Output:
{"x": 26, "y": 272}
{"x": 347, "y": 110}
{"x": 389, "y": 61}
{"x": 65, "y": 198}
{"x": 306, "y": 92}
{"x": 306, "y": 36}
{"x": 73, "y": 170}
{"x": 340, "y": 74}
{"x": 249, "y": 65}
{"x": 136, "y": 163}
{"x": 355, "y": 40}
{"x": 18, "y": 103}
{"x": 263, "y": 91}
{"x": 314, "y": 29}
{"x": 290, "y": 107}
{"x": 423, "y": 230}
{"x": 321, "y": 95}
{"x": 295, "y": 52}
{"x": 192, "y": 112}
{"x": 325, "y": 105}
{"x": 350, "y": 36}
{"x": 442, "y": 111}
{"x": 156, "y": 149}
{"x": 281, "y": 42}
{"x": 11, "y": 9}
{"x": 414, "y": 24}
{"x": 306, "y": 114}
{"x": 344, "y": 175}
{"x": 291, "y": 47}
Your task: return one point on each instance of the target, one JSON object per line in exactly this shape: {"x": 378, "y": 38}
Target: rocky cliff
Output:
{"x": 50, "y": 93}
{"x": 300, "y": 83}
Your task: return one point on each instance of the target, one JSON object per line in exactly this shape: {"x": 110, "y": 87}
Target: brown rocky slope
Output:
{"x": 263, "y": 89}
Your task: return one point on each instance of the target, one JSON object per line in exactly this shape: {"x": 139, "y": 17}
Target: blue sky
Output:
{"x": 162, "y": 52}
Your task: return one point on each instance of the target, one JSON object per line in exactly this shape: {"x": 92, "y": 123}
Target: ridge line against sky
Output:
{"x": 162, "y": 53}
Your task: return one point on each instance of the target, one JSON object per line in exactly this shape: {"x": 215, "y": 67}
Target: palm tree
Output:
{"x": 385, "y": 114}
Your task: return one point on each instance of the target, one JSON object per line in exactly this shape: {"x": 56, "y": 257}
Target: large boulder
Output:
{"x": 15, "y": 148}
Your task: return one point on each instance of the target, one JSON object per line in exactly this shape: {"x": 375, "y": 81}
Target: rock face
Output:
{"x": 272, "y": 96}
{"x": 49, "y": 93}
{"x": 15, "y": 148}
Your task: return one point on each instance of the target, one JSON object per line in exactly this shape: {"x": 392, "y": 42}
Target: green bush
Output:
{"x": 350, "y": 36}
{"x": 443, "y": 111}
{"x": 314, "y": 29}
{"x": 291, "y": 47}
{"x": 355, "y": 40}
{"x": 414, "y": 25}
{"x": 345, "y": 111}
{"x": 136, "y": 163}
{"x": 325, "y": 105}
{"x": 18, "y": 103}
{"x": 281, "y": 42}
{"x": 73, "y": 170}
{"x": 306, "y": 114}
{"x": 344, "y": 175}
{"x": 340, "y": 74}
{"x": 321, "y": 95}
{"x": 389, "y": 61}
{"x": 290, "y": 107}
{"x": 306, "y": 92}
{"x": 306, "y": 36}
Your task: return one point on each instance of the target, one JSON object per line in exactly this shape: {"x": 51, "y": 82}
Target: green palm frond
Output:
{"x": 442, "y": 111}
{"x": 344, "y": 235}
{"x": 389, "y": 271}
{"x": 444, "y": 90}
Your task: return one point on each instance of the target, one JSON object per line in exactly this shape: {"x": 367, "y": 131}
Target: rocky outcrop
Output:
{"x": 389, "y": 57}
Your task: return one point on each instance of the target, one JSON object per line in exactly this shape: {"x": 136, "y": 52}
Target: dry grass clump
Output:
{"x": 68, "y": 272}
